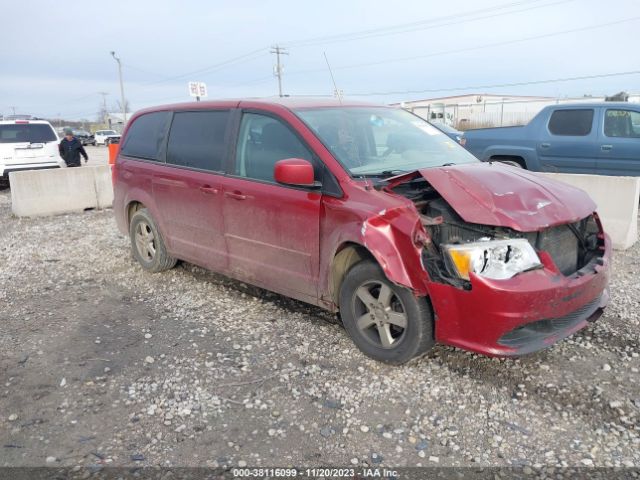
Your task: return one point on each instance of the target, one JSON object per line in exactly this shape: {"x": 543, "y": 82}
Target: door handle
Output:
{"x": 209, "y": 190}
{"x": 235, "y": 195}
{"x": 545, "y": 145}
{"x": 606, "y": 148}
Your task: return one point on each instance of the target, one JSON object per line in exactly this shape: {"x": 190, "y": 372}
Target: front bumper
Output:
{"x": 523, "y": 314}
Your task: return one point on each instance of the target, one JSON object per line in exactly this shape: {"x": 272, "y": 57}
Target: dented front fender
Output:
{"x": 394, "y": 237}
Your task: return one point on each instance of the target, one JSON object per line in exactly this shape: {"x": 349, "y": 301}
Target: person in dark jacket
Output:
{"x": 71, "y": 148}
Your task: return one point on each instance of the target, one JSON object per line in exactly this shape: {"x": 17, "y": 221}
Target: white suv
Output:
{"x": 104, "y": 137}
{"x": 27, "y": 145}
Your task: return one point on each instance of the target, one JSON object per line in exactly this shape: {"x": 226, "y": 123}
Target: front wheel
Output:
{"x": 147, "y": 243}
{"x": 513, "y": 163}
{"x": 387, "y": 322}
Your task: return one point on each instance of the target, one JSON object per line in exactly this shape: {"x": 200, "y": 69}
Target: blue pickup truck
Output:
{"x": 598, "y": 138}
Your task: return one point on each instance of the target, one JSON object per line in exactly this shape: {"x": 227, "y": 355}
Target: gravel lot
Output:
{"x": 97, "y": 155}
{"x": 103, "y": 364}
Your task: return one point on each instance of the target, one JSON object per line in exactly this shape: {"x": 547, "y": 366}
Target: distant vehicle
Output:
{"x": 85, "y": 137}
{"x": 597, "y": 138}
{"x": 105, "y": 137}
{"x": 27, "y": 145}
{"x": 20, "y": 117}
{"x": 450, "y": 132}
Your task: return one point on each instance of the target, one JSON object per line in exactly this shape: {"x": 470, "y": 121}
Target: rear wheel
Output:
{"x": 507, "y": 160}
{"x": 147, "y": 243}
{"x": 387, "y": 322}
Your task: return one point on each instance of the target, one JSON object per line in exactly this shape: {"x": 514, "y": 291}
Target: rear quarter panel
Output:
{"x": 133, "y": 183}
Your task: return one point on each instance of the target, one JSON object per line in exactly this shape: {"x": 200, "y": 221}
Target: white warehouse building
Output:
{"x": 487, "y": 110}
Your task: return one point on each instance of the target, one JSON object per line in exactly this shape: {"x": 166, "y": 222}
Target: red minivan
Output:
{"x": 368, "y": 211}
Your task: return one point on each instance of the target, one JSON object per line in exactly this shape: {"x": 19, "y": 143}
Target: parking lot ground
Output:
{"x": 97, "y": 155}
{"x": 104, "y": 364}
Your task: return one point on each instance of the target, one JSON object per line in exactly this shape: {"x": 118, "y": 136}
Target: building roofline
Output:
{"x": 475, "y": 95}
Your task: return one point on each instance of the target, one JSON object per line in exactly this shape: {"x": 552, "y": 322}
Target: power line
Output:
{"x": 424, "y": 24}
{"x": 468, "y": 49}
{"x": 366, "y": 34}
{"x": 239, "y": 59}
{"x": 501, "y": 85}
{"x": 142, "y": 70}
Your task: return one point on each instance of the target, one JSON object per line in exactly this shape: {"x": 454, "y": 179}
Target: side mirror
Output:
{"x": 294, "y": 171}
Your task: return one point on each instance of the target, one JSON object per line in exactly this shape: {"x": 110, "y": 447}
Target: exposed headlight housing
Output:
{"x": 495, "y": 259}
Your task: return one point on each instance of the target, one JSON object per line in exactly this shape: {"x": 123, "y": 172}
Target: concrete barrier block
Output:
{"x": 64, "y": 190}
{"x": 617, "y": 200}
{"x": 104, "y": 186}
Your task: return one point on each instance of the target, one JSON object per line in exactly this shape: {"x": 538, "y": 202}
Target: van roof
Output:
{"x": 292, "y": 103}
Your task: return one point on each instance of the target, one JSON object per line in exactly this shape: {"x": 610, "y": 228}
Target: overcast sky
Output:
{"x": 55, "y": 56}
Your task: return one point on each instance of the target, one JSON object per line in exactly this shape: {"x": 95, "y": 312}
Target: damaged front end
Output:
{"x": 459, "y": 249}
{"x": 515, "y": 285}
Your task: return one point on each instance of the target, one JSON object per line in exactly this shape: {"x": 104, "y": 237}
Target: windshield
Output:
{"x": 380, "y": 141}
{"x": 27, "y": 132}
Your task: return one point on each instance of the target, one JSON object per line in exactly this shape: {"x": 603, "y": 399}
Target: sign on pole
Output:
{"x": 197, "y": 89}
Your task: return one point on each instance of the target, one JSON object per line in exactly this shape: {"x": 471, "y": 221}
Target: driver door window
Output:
{"x": 264, "y": 140}
{"x": 622, "y": 123}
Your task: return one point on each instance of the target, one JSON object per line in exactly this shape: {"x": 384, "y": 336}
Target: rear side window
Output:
{"x": 27, "y": 132}
{"x": 197, "y": 140}
{"x": 571, "y": 122}
{"x": 145, "y": 137}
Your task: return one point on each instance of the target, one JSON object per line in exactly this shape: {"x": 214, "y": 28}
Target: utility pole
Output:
{"x": 124, "y": 105}
{"x": 104, "y": 106}
{"x": 14, "y": 110}
{"x": 279, "y": 67}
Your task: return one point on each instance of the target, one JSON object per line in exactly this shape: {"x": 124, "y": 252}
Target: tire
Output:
{"x": 377, "y": 331}
{"x": 147, "y": 244}
{"x": 513, "y": 163}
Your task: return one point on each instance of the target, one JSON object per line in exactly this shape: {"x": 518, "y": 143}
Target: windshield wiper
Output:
{"x": 384, "y": 173}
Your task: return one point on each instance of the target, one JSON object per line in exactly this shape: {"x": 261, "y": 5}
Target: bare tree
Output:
{"x": 119, "y": 106}
{"x": 102, "y": 114}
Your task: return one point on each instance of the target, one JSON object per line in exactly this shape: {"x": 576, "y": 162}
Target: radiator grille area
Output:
{"x": 563, "y": 246}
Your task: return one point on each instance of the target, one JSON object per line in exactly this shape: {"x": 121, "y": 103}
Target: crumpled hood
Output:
{"x": 501, "y": 195}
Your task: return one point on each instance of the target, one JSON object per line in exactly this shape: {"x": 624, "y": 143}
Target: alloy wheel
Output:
{"x": 145, "y": 241}
{"x": 380, "y": 315}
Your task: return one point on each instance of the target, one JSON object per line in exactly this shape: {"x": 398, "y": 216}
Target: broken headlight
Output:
{"x": 496, "y": 259}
